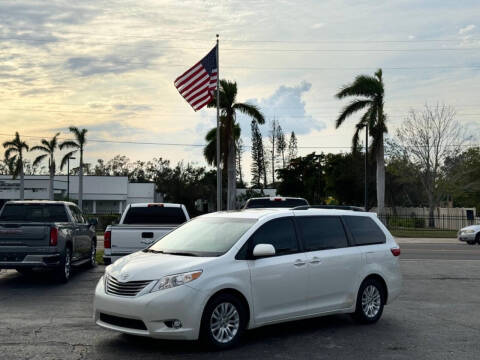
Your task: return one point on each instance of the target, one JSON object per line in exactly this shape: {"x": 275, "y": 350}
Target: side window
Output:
{"x": 77, "y": 215}
{"x": 80, "y": 215}
{"x": 322, "y": 232}
{"x": 278, "y": 232}
{"x": 364, "y": 230}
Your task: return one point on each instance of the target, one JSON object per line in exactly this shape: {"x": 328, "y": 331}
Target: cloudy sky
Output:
{"x": 109, "y": 66}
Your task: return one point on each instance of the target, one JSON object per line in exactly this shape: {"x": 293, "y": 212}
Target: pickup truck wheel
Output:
{"x": 93, "y": 255}
{"x": 64, "y": 270}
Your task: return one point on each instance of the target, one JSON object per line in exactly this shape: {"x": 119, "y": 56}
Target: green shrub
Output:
{"x": 104, "y": 220}
{"x": 405, "y": 222}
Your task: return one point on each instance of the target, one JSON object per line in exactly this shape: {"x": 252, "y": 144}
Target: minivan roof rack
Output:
{"x": 336, "y": 207}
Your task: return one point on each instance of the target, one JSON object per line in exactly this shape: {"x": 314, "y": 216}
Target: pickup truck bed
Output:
{"x": 140, "y": 226}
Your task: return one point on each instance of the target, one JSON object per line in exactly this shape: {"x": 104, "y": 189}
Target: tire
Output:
{"x": 93, "y": 255}
{"x": 477, "y": 238}
{"x": 221, "y": 308}
{"x": 370, "y": 301}
{"x": 472, "y": 242}
{"x": 64, "y": 271}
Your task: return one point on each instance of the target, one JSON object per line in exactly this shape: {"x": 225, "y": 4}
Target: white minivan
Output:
{"x": 222, "y": 273}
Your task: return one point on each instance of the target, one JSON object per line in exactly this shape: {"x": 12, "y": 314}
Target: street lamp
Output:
{"x": 68, "y": 176}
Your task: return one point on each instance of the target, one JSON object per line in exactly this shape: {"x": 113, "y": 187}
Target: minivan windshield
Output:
{"x": 203, "y": 236}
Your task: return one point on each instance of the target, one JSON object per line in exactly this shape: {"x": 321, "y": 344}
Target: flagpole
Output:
{"x": 219, "y": 172}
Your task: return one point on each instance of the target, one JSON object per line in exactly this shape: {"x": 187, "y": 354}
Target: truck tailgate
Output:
{"x": 130, "y": 238}
{"x": 26, "y": 234}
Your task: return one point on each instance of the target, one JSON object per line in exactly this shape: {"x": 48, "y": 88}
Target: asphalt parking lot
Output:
{"x": 436, "y": 317}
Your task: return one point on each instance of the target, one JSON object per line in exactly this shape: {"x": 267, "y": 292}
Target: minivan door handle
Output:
{"x": 315, "y": 260}
{"x": 299, "y": 262}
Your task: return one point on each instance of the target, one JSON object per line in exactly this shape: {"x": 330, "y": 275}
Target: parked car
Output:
{"x": 470, "y": 234}
{"x": 140, "y": 226}
{"x": 275, "y": 202}
{"x": 45, "y": 234}
{"x": 222, "y": 273}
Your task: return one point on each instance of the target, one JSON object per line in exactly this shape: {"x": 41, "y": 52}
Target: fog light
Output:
{"x": 177, "y": 324}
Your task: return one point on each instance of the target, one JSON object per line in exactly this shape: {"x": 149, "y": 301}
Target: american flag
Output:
{"x": 198, "y": 84}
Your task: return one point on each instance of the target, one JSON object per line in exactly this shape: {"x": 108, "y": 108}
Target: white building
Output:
{"x": 101, "y": 194}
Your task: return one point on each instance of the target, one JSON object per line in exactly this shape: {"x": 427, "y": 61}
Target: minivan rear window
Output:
{"x": 34, "y": 213}
{"x": 156, "y": 215}
{"x": 364, "y": 230}
{"x": 322, "y": 232}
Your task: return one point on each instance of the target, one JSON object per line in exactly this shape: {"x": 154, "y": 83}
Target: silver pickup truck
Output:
{"x": 140, "y": 226}
{"x": 45, "y": 234}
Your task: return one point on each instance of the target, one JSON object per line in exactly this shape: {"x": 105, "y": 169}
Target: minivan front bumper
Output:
{"x": 151, "y": 314}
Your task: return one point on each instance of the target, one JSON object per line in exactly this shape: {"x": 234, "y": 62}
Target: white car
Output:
{"x": 225, "y": 272}
{"x": 470, "y": 234}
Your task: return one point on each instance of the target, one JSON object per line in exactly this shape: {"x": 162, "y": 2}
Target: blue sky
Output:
{"x": 109, "y": 66}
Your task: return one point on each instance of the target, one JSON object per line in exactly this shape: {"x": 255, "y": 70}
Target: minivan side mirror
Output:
{"x": 262, "y": 250}
{"x": 93, "y": 222}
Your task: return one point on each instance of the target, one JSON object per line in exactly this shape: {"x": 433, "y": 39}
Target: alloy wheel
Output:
{"x": 224, "y": 322}
{"x": 371, "y": 301}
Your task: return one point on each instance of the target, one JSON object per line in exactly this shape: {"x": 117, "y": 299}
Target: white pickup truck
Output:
{"x": 140, "y": 226}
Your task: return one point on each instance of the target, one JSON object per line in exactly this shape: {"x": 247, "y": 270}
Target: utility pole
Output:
{"x": 68, "y": 177}
{"x": 366, "y": 168}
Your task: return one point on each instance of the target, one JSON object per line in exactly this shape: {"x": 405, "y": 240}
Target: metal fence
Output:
{"x": 426, "y": 225}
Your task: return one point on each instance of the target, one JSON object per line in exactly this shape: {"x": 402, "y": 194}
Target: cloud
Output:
{"x": 466, "y": 29}
{"x": 123, "y": 59}
{"x": 318, "y": 25}
{"x": 287, "y": 106}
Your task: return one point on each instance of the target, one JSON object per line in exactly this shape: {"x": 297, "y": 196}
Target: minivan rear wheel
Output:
{"x": 370, "y": 301}
{"x": 223, "y": 322}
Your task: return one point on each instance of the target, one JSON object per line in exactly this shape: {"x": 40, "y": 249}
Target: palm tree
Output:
{"x": 369, "y": 93}
{"x": 210, "y": 150}
{"x": 14, "y": 157}
{"x": 78, "y": 144}
{"x": 48, "y": 148}
{"x": 228, "y": 109}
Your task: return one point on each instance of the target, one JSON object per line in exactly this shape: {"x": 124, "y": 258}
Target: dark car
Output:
{"x": 45, "y": 234}
{"x": 275, "y": 202}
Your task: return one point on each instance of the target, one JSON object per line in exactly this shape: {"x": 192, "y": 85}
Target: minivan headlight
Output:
{"x": 171, "y": 281}
{"x": 468, "y": 231}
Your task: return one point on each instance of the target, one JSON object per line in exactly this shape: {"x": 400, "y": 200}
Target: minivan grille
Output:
{"x": 130, "y": 288}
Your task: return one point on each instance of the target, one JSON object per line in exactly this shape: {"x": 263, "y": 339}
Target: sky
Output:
{"x": 109, "y": 66}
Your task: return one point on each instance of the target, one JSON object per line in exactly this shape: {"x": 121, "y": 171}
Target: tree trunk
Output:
{"x": 80, "y": 181}
{"x": 231, "y": 176}
{"x": 22, "y": 181}
{"x": 380, "y": 177}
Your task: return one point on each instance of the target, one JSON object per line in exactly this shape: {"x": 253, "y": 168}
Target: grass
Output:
{"x": 100, "y": 257}
{"x": 424, "y": 233}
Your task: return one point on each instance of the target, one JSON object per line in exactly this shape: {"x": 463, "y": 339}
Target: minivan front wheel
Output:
{"x": 223, "y": 322}
{"x": 370, "y": 301}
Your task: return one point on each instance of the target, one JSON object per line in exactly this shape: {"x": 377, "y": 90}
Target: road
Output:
{"x": 437, "y": 316}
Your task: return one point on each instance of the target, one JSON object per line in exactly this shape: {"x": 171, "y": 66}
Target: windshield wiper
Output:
{"x": 179, "y": 253}
{"x": 154, "y": 251}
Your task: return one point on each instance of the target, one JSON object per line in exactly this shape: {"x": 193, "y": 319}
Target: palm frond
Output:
{"x": 10, "y": 151}
{"x": 69, "y": 144}
{"x": 65, "y": 158}
{"x": 363, "y": 85}
{"x": 251, "y": 110}
{"x": 350, "y": 109}
{"x": 40, "y": 148}
{"x": 39, "y": 159}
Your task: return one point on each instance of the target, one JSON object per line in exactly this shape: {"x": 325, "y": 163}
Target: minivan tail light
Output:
{"x": 395, "y": 251}
{"x": 53, "y": 236}
{"x": 107, "y": 239}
